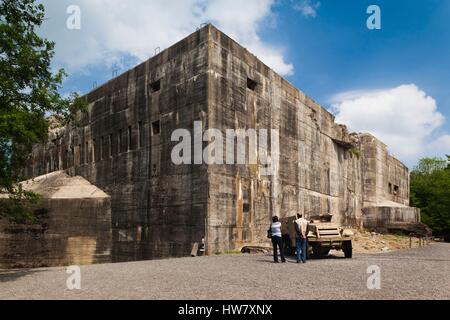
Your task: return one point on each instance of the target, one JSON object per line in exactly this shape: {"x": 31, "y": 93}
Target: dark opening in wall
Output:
{"x": 246, "y": 204}
{"x": 129, "y": 138}
{"x": 390, "y": 188}
{"x": 156, "y": 127}
{"x": 396, "y": 189}
{"x": 140, "y": 132}
{"x": 86, "y": 153}
{"x": 110, "y": 145}
{"x": 102, "y": 143}
{"x": 119, "y": 142}
{"x": 155, "y": 86}
{"x": 251, "y": 84}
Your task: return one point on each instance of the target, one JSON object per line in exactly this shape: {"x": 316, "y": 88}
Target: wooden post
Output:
{"x": 194, "y": 250}
{"x": 410, "y": 241}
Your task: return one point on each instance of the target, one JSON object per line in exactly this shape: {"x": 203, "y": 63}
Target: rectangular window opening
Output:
{"x": 86, "y": 153}
{"x": 140, "y": 135}
{"x": 110, "y": 145}
{"x": 396, "y": 190}
{"x": 251, "y": 84}
{"x": 155, "y": 86}
{"x": 129, "y": 138}
{"x": 119, "y": 142}
{"x": 156, "y": 127}
{"x": 102, "y": 143}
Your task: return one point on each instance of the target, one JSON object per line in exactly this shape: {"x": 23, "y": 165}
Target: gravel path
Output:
{"x": 422, "y": 273}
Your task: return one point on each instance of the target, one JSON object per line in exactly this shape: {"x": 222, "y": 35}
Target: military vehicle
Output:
{"x": 322, "y": 234}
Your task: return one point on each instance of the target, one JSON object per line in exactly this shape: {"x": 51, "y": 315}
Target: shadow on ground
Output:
{"x": 293, "y": 258}
{"x": 13, "y": 275}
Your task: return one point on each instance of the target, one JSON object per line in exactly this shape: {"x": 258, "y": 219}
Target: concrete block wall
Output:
{"x": 317, "y": 174}
{"x": 65, "y": 232}
{"x": 385, "y": 178}
{"x": 384, "y": 219}
{"x": 124, "y": 145}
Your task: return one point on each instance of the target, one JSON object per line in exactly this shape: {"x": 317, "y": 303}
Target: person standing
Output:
{"x": 301, "y": 226}
{"x": 277, "y": 240}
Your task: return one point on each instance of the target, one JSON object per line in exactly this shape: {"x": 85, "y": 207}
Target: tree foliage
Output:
{"x": 430, "y": 191}
{"x": 29, "y": 91}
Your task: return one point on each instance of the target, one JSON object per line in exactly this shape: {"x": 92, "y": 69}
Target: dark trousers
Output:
{"x": 302, "y": 247}
{"x": 277, "y": 242}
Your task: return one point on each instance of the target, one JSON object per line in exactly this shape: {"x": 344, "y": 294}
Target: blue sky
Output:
{"x": 336, "y": 52}
{"x": 392, "y": 82}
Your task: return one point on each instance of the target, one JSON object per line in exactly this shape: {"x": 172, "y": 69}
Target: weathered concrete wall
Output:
{"x": 385, "y": 219}
{"x": 160, "y": 209}
{"x": 384, "y": 215}
{"x": 317, "y": 174}
{"x": 124, "y": 147}
{"x": 72, "y": 226}
{"x": 66, "y": 232}
{"x": 385, "y": 178}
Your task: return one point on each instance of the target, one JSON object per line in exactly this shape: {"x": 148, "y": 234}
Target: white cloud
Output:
{"x": 111, "y": 29}
{"x": 440, "y": 146}
{"x": 405, "y": 118}
{"x": 307, "y": 7}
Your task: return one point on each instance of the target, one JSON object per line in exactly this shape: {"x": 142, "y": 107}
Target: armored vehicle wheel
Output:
{"x": 347, "y": 248}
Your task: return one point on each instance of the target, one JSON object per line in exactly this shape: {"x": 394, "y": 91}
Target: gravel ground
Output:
{"x": 422, "y": 273}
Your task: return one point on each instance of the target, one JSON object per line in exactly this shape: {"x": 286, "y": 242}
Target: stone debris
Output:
{"x": 256, "y": 249}
{"x": 366, "y": 242}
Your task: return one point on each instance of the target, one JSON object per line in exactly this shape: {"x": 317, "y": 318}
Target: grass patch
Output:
{"x": 355, "y": 152}
{"x": 232, "y": 252}
{"x": 218, "y": 253}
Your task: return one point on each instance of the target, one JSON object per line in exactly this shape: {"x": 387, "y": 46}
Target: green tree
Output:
{"x": 428, "y": 165}
{"x": 29, "y": 91}
{"x": 430, "y": 191}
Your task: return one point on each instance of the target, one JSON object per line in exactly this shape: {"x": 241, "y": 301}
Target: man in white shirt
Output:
{"x": 301, "y": 226}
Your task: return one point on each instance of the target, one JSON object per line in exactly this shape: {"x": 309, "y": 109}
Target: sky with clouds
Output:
{"x": 393, "y": 82}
